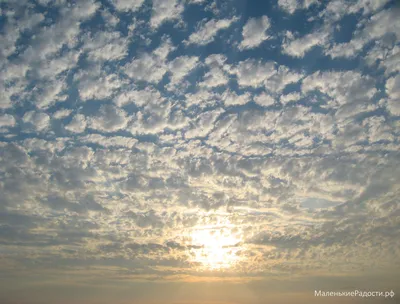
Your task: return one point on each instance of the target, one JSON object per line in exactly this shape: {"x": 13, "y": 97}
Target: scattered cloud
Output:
{"x": 291, "y": 6}
{"x": 298, "y": 47}
{"x": 77, "y": 124}
{"x": 393, "y": 92}
{"x": 7, "y": 120}
{"x": 206, "y": 32}
{"x": 165, "y": 10}
{"x": 152, "y": 66}
{"x": 108, "y": 119}
{"x": 127, "y": 5}
{"x": 38, "y": 121}
{"x": 254, "y": 32}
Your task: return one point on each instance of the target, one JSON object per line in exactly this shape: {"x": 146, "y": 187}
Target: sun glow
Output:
{"x": 215, "y": 248}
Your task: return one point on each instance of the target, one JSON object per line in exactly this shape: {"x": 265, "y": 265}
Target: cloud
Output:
{"x": 290, "y": 97}
{"x": 264, "y": 99}
{"x": 150, "y": 67}
{"x": 141, "y": 98}
{"x": 254, "y": 32}
{"x": 7, "y": 121}
{"x": 203, "y": 124}
{"x": 290, "y": 6}
{"x": 165, "y": 10}
{"x": 282, "y": 77}
{"x": 108, "y": 119}
{"x": 336, "y": 10}
{"x": 300, "y": 46}
{"x": 96, "y": 83}
{"x": 127, "y": 5}
{"x": 232, "y": 99}
{"x": 388, "y": 60}
{"x": 52, "y": 68}
{"x": 206, "y": 32}
{"x": 217, "y": 75}
{"x": 393, "y": 92}
{"x": 49, "y": 40}
{"x": 77, "y": 124}
{"x": 50, "y": 93}
{"x": 109, "y": 141}
{"x": 379, "y": 25}
{"x": 62, "y": 113}
{"x": 256, "y": 73}
{"x": 104, "y": 46}
{"x": 181, "y": 66}
{"x": 253, "y": 73}
{"x": 343, "y": 87}
{"x": 38, "y": 121}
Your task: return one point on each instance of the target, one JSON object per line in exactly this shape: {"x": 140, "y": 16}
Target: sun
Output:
{"x": 215, "y": 248}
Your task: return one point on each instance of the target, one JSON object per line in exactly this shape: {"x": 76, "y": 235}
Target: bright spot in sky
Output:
{"x": 217, "y": 248}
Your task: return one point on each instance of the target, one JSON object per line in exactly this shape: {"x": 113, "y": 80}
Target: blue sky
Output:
{"x": 151, "y": 150}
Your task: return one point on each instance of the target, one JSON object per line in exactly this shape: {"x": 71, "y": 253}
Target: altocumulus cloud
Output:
{"x": 131, "y": 129}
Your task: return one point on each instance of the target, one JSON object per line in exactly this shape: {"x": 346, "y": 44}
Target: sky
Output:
{"x": 198, "y": 151}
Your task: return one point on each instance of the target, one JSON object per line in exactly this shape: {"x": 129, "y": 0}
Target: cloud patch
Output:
{"x": 254, "y": 32}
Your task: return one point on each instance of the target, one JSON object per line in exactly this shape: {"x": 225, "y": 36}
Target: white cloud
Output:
{"x": 153, "y": 118}
{"x": 50, "y": 93}
{"x": 38, "y": 121}
{"x": 165, "y": 10}
{"x": 264, "y": 99}
{"x": 109, "y": 141}
{"x": 64, "y": 32}
{"x": 378, "y": 129}
{"x": 298, "y": 47}
{"x": 150, "y": 67}
{"x": 253, "y": 72}
{"x": 95, "y": 83}
{"x": 232, "y": 99}
{"x": 337, "y": 9}
{"x": 141, "y": 98}
{"x": 146, "y": 68}
{"x": 343, "y": 87}
{"x": 391, "y": 62}
{"x": 379, "y": 25}
{"x": 7, "y": 120}
{"x": 181, "y": 66}
{"x": 204, "y": 124}
{"x": 206, "y": 32}
{"x": 254, "y": 32}
{"x": 393, "y": 92}
{"x": 104, "y": 46}
{"x": 257, "y": 73}
{"x": 217, "y": 74}
{"x": 284, "y": 99}
{"x": 77, "y": 124}
{"x": 127, "y": 5}
{"x": 283, "y": 76}
{"x": 202, "y": 98}
{"x": 290, "y": 6}
{"x": 52, "y": 68}
{"x": 385, "y": 56}
{"x": 110, "y": 19}
{"x": 62, "y": 113}
{"x": 108, "y": 119}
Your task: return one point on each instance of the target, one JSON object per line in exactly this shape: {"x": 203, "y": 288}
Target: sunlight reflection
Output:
{"x": 215, "y": 248}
